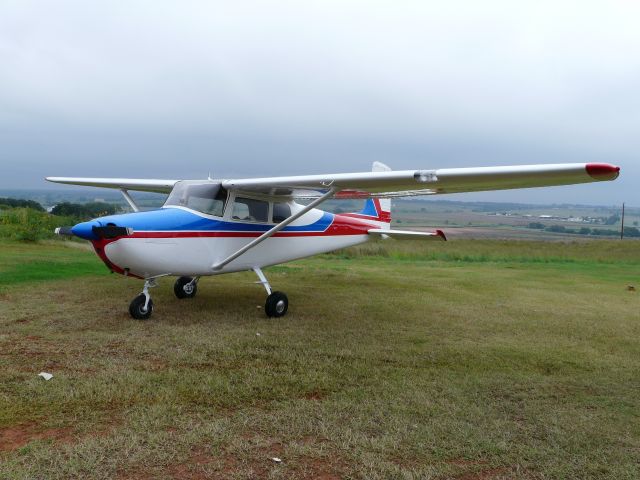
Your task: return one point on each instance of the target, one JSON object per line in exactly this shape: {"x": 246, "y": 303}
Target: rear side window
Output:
{"x": 250, "y": 210}
{"x": 281, "y": 211}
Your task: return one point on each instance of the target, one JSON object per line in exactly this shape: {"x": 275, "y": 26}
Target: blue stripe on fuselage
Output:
{"x": 177, "y": 219}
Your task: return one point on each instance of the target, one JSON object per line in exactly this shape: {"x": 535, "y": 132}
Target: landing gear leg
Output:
{"x": 141, "y": 307}
{"x": 277, "y": 302}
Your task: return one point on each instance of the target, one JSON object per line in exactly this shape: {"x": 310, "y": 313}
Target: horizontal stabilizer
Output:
{"x": 407, "y": 234}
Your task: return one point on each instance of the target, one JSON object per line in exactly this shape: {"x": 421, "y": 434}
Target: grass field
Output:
{"x": 467, "y": 360}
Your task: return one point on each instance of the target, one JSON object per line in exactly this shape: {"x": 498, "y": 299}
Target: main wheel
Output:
{"x": 137, "y": 310}
{"x": 185, "y": 287}
{"x": 276, "y": 305}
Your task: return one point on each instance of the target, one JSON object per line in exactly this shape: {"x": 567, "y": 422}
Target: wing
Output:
{"x": 142, "y": 185}
{"x": 427, "y": 182}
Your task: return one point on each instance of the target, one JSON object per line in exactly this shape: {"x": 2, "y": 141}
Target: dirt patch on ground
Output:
{"x": 254, "y": 461}
{"x": 315, "y": 395}
{"x": 12, "y": 438}
{"x": 193, "y": 468}
{"x": 486, "y": 474}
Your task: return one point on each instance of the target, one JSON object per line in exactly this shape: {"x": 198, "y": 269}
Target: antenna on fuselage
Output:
{"x": 209, "y": 176}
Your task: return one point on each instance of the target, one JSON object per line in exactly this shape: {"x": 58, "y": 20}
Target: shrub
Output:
{"x": 29, "y": 225}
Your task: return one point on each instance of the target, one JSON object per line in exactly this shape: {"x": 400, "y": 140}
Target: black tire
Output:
{"x": 277, "y": 305}
{"x": 183, "y": 288}
{"x": 137, "y": 310}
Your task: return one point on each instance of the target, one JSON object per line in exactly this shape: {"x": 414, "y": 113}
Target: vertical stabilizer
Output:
{"x": 376, "y": 209}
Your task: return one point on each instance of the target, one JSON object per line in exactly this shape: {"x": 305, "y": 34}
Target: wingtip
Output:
{"x": 602, "y": 171}
{"x": 441, "y": 234}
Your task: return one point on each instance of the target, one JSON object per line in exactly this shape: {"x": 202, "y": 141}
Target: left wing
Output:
{"x": 427, "y": 182}
{"x": 141, "y": 185}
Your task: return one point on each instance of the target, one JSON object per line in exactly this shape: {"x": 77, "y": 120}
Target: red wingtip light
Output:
{"x": 603, "y": 171}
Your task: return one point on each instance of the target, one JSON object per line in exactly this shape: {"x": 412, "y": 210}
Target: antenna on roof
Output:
{"x": 209, "y": 176}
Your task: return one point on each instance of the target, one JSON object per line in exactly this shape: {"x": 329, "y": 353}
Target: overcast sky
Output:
{"x": 247, "y": 88}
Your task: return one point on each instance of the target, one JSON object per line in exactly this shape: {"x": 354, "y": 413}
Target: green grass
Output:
{"x": 22, "y": 262}
{"x": 396, "y": 360}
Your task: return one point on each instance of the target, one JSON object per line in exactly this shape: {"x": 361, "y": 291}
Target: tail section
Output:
{"x": 376, "y": 209}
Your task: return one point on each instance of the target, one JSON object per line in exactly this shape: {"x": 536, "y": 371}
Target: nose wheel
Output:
{"x": 277, "y": 303}
{"x": 141, "y": 307}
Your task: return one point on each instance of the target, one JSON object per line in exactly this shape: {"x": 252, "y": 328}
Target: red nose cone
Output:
{"x": 603, "y": 171}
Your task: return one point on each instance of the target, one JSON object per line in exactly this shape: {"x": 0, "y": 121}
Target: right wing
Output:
{"x": 141, "y": 185}
{"x": 402, "y": 183}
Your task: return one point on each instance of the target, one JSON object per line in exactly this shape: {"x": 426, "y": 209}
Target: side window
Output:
{"x": 281, "y": 211}
{"x": 206, "y": 197}
{"x": 250, "y": 210}
{"x": 210, "y": 206}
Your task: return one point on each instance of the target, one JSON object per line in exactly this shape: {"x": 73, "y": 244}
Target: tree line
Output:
{"x": 628, "y": 231}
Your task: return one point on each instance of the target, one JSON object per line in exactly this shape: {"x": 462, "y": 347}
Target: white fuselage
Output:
{"x": 159, "y": 247}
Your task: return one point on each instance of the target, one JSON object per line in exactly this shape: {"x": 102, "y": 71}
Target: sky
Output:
{"x": 153, "y": 89}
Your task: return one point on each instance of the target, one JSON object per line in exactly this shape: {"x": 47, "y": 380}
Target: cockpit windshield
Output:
{"x": 205, "y": 197}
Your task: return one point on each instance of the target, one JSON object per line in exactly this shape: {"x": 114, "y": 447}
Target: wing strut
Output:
{"x": 269, "y": 233}
{"x": 130, "y": 200}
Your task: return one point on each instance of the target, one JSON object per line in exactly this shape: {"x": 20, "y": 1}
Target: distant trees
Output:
{"x": 20, "y": 203}
{"x": 631, "y": 232}
{"x": 85, "y": 210}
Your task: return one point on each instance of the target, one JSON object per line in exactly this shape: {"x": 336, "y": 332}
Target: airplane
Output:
{"x": 211, "y": 227}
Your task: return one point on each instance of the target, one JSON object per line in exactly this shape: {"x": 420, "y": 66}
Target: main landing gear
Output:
{"x": 141, "y": 307}
{"x": 186, "y": 287}
{"x": 277, "y": 303}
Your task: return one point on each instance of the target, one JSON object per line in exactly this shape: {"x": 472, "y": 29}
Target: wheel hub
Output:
{"x": 280, "y": 306}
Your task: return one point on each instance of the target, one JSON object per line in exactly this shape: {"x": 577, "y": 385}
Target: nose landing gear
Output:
{"x": 141, "y": 307}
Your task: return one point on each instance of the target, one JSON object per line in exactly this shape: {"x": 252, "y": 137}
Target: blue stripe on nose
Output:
{"x": 84, "y": 230}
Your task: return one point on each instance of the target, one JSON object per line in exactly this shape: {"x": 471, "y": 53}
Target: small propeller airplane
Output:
{"x": 211, "y": 227}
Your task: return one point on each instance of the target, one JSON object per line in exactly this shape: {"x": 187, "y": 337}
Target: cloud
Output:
{"x": 157, "y": 88}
